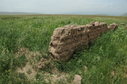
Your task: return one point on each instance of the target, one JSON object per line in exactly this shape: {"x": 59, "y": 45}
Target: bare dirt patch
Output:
{"x": 29, "y": 69}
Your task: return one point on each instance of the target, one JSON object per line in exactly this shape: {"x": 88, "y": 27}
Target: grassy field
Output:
{"x": 25, "y": 39}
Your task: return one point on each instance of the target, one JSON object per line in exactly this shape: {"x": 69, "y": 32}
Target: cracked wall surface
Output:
{"x": 66, "y": 40}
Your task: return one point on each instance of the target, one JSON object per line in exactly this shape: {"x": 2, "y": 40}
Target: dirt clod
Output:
{"x": 77, "y": 79}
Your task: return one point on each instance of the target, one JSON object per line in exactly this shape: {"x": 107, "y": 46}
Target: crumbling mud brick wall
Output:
{"x": 66, "y": 40}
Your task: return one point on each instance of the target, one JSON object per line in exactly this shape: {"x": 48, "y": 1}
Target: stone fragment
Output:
{"x": 113, "y": 26}
{"x": 77, "y": 79}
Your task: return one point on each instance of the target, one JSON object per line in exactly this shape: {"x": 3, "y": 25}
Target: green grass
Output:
{"x": 108, "y": 54}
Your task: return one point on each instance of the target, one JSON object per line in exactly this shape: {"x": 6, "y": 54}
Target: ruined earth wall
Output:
{"x": 66, "y": 40}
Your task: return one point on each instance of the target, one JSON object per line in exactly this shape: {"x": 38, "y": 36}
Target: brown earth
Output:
{"x": 68, "y": 39}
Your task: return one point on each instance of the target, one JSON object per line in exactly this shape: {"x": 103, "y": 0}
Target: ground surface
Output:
{"x": 24, "y": 41}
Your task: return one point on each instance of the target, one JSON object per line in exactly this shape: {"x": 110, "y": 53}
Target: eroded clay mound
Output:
{"x": 66, "y": 40}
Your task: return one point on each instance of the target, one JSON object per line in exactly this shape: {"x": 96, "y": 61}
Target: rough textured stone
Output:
{"x": 66, "y": 40}
{"x": 113, "y": 26}
{"x": 77, "y": 79}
